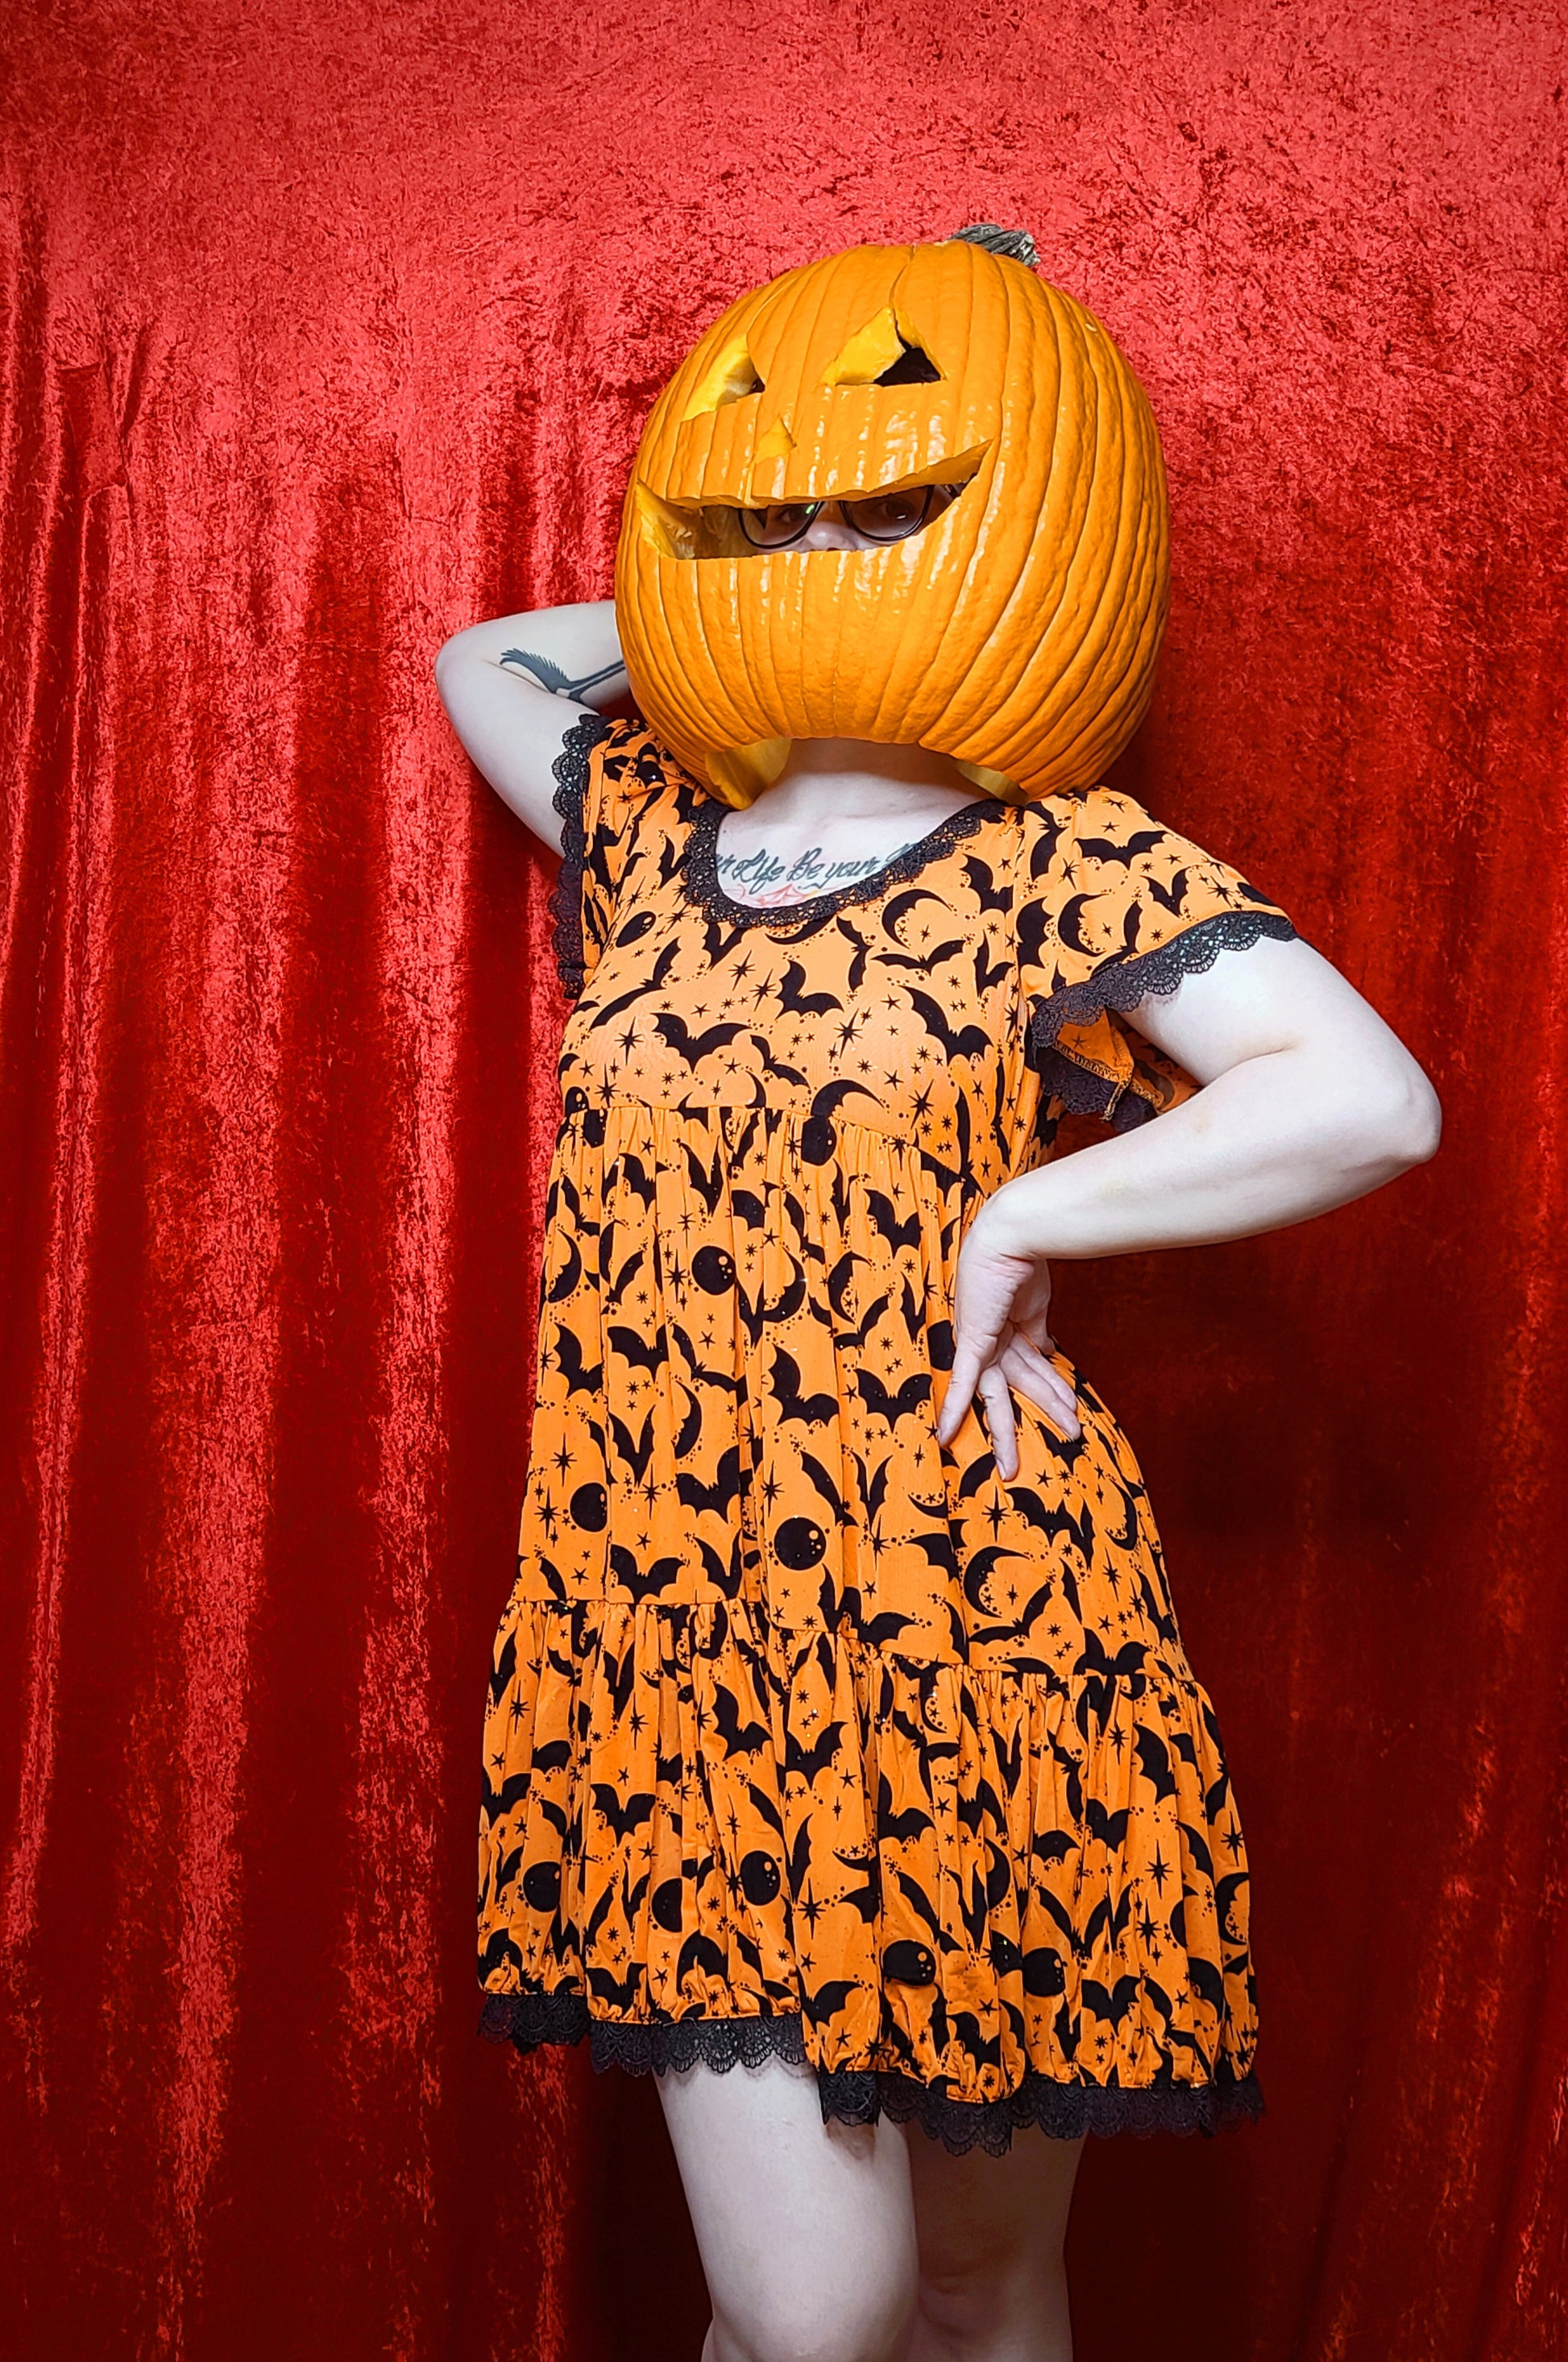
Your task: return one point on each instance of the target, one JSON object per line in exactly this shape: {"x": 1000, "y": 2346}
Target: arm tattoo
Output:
{"x": 550, "y": 676}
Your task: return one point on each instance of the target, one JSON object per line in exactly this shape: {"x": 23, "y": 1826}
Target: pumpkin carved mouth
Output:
{"x": 710, "y": 528}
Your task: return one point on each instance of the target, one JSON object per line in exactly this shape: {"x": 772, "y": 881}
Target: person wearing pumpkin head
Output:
{"x": 844, "y": 1765}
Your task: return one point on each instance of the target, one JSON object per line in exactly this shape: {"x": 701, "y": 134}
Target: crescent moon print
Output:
{"x": 807, "y": 1735}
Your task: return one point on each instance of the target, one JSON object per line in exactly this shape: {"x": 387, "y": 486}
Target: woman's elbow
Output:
{"x": 1402, "y": 1117}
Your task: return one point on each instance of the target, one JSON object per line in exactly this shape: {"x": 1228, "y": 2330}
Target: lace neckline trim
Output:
{"x": 699, "y": 876}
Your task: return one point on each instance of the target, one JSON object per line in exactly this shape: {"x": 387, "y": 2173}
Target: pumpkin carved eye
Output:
{"x": 913, "y": 367}
{"x": 732, "y": 378}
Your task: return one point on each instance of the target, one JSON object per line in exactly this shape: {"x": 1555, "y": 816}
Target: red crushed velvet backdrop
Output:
{"x": 329, "y": 329}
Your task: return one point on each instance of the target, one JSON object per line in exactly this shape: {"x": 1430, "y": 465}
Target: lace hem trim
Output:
{"x": 701, "y": 878}
{"x": 1063, "y": 2111}
{"x": 1122, "y": 983}
{"x": 570, "y": 768}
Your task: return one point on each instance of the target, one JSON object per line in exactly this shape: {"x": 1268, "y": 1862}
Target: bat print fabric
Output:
{"x": 806, "y": 1735}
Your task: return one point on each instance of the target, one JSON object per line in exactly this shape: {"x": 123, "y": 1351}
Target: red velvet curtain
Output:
{"x": 328, "y": 330}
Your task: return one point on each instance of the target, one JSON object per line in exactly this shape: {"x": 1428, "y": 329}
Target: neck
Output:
{"x": 853, "y": 778}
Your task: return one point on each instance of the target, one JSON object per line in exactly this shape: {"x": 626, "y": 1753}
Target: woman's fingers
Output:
{"x": 995, "y": 1395}
{"x": 1028, "y": 1369}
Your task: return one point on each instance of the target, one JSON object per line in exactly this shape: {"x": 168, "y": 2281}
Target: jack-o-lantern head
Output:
{"x": 1016, "y": 631}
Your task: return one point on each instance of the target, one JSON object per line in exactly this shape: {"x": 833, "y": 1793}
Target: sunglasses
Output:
{"x": 880, "y": 516}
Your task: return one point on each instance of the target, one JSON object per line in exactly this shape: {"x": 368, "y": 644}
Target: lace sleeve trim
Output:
{"x": 1122, "y": 984}
{"x": 570, "y": 768}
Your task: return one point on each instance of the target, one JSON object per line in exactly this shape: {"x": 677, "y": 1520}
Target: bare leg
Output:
{"x": 806, "y": 2230}
{"x": 990, "y": 2229}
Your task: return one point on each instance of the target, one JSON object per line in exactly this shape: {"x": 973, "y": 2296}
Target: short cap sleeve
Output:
{"x": 1117, "y": 906}
{"x": 605, "y": 774}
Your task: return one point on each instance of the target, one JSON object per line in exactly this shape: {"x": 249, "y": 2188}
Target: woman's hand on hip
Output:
{"x": 1001, "y": 1304}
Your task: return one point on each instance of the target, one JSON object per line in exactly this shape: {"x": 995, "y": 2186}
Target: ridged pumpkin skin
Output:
{"x": 1017, "y": 632}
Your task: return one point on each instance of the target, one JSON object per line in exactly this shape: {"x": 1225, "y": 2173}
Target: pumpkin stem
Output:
{"x": 1016, "y": 243}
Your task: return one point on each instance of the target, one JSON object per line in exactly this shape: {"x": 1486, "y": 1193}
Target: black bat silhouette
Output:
{"x": 985, "y": 974}
{"x": 636, "y": 1455}
{"x": 905, "y": 1404}
{"x": 827, "y": 2000}
{"x": 621, "y": 1992}
{"x": 724, "y": 1379}
{"x": 620, "y": 1281}
{"x": 1207, "y": 1982}
{"x": 637, "y": 1350}
{"x": 885, "y": 1215}
{"x": 643, "y": 1581}
{"x": 505, "y": 1665}
{"x": 739, "y": 1739}
{"x": 1052, "y": 1845}
{"x": 877, "y": 1630}
{"x": 763, "y": 1804}
{"x": 709, "y": 1185}
{"x": 777, "y": 1071}
{"x": 729, "y": 1485}
{"x": 650, "y": 983}
{"x": 1106, "y": 849}
{"x": 1113, "y": 2005}
{"x": 967, "y": 1042}
{"x": 633, "y": 1175}
{"x": 901, "y": 1826}
{"x": 622, "y": 1818}
{"x": 1154, "y": 1761}
{"x": 926, "y": 960}
{"x": 827, "y": 1488}
{"x": 1110, "y": 1828}
{"x": 580, "y": 1378}
{"x": 857, "y": 964}
{"x": 810, "y": 1761}
{"x": 856, "y": 1334}
{"x": 865, "y": 1899}
{"x": 673, "y": 1028}
{"x": 784, "y": 1384}
{"x": 1170, "y": 898}
{"x": 803, "y": 1004}
{"x": 566, "y": 1279}
{"x": 1201, "y": 1856}
{"x": 983, "y": 885}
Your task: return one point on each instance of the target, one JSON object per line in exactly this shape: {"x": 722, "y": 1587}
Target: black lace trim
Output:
{"x": 1080, "y": 1090}
{"x": 570, "y": 768}
{"x": 700, "y": 878}
{"x": 1063, "y": 2111}
{"x": 1122, "y": 983}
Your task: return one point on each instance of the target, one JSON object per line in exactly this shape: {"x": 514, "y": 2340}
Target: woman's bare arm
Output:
{"x": 513, "y": 690}
{"x": 1308, "y": 1100}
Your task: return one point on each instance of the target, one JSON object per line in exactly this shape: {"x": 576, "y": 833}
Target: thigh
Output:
{"x": 980, "y": 2217}
{"x": 806, "y": 2230}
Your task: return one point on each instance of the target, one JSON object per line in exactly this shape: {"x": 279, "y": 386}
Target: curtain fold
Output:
{"x": 325, "y": 334}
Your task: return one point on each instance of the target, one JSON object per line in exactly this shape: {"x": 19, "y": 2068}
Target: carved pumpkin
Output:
{"x": 1016, "y": 633}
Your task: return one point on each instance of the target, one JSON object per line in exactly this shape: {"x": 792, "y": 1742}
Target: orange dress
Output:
{"x": 808, "y": 1737}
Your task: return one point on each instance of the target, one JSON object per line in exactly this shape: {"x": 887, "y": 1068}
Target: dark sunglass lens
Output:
{"x": 890, "y": 516}
{"x": 776, "y": 527}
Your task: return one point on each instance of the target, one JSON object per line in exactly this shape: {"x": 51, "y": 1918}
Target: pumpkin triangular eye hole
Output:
{"x": 744, "y": 381}
{"x": 730, "y": 376}
{"x": 913, "y": 367}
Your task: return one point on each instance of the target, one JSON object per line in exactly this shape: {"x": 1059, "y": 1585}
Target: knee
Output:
{"x": 972, "y": 2296}
{"x": 860, "y": 2323}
